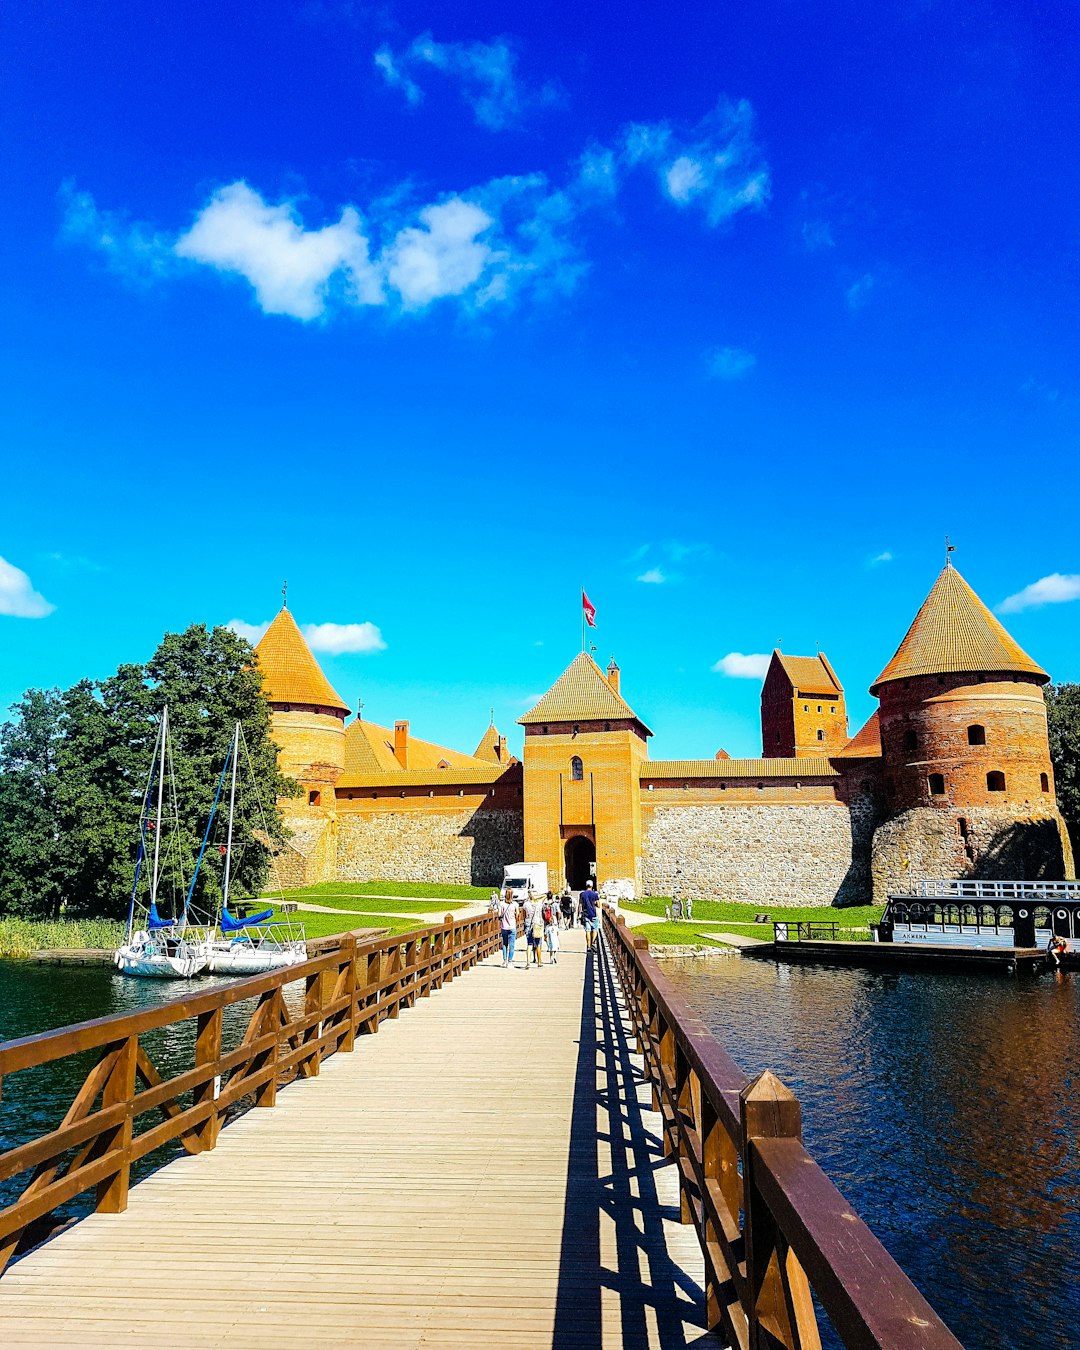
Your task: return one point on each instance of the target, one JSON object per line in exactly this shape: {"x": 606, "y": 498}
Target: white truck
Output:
{"x": 523, "y": 877}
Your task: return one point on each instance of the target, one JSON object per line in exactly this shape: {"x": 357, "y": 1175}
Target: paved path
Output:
{"x": 485, "y": 1171}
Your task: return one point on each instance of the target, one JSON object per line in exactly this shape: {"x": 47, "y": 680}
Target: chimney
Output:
{"x": 500, "y": 750}
{"x": 401, "y": 743}
{"x": 613, "y": 675}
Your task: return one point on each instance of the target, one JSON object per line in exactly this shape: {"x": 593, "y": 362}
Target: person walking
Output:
{"x": 508, "y": 921}
{"x": 551, "y": 928}
{"x": 590, "y": 915}
{"x": 534, "y": 927}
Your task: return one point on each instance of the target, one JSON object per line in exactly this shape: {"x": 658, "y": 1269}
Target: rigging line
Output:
{"x": 259, "y": 803}
{"x": 175, "y": 842}
{"x": 209, "y": 823}
{"x": 143, "y": 818}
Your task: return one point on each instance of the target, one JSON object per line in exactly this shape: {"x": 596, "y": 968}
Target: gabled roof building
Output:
{"x": 950, "y": 776}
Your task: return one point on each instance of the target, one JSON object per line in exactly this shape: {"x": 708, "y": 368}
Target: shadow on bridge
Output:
{"x": 613, "y": 1225}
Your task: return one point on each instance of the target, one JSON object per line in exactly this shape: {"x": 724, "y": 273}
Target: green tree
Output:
{"x": 31, "y": 877}
{"x": 75, "y": 766}
{"x": 1063, "y": 719}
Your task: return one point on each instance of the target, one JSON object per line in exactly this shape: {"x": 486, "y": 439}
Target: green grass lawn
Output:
{"x": 326, "y": 925}
{"x": 730, "y": 911}
{"x": 369, "y": 904}
{"x": 416, "y": 890}
{"x": 677, "y": 934}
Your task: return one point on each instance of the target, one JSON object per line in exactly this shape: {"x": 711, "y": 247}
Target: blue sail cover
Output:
{"x": 156, "y": 921}
{"x": 231, "y": 925}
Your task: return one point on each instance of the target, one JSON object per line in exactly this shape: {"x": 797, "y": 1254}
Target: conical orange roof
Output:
{"x": 953, "y": 633}
{"x": 581, "y": 694}
{"x": 290, "y": 672}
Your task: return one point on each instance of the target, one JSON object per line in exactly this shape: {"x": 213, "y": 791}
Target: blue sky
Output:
{"x": 442, "y": 311}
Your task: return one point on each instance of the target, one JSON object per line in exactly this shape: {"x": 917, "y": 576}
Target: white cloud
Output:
{"x": 817, "y": 234}
{"x": 743, "y": 667}
{"x": 396, "y": 78}
{"x": 730, "y": 363}
{"x": 485, "y": 72}
{"x": 858, "y": 293}
{"x": 716, "y": 165}
{"x": 17, "y": 595}
{"x": 333, "y": 638}
{"x": 251, "y": 632}
{"x": 653, "y": 577}
{"x": 879, "y": 558}
{"x": 444, "y": 255}
{"x": 291, "y": 268}
{"x": 486, "y": 245}
{"x": 336, "y": 638}
{"x": 1055, "y": 589}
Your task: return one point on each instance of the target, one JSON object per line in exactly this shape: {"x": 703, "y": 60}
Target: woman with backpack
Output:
{"x": 550, "y": 913}
{"x": 508, "y": 918}
{"x": 534, "y": 927}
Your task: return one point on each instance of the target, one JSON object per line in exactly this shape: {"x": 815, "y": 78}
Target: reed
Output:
{"x": 20, "y": 937}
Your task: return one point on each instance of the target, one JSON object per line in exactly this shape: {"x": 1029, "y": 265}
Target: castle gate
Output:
{"x": 580, "y": 859}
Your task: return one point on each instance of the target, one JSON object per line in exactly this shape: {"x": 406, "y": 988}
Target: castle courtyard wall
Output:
{"x": 759, "y": 852}
{"x": 463, "y": 845}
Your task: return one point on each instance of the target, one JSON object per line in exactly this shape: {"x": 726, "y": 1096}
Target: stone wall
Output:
{"x": 926, "y": 843}
{"x": 463, "y": 847}
{"x": 309, "y": 854}
{"x": 813, "y": 854}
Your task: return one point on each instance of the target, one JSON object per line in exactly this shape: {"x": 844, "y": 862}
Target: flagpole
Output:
{"x": 583, "y": 618}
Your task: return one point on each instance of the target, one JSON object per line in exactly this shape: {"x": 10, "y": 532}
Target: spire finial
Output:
{"x": 492, "y": 717}
{"x": 284, "y": 595}
{"x": 949, "y": 548}
{"x": 360, "y": 710}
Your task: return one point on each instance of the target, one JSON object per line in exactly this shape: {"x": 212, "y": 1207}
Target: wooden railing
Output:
{"x": 771, "y": 1224}
{"x": 349, "y": 987}
{"x": 808, "y": 931}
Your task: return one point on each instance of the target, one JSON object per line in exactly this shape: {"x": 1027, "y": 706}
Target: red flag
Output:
{"x": 590, "y": 610}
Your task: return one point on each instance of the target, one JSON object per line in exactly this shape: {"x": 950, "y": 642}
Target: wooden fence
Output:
{"x": 349, "y": 985}
{"x": 772, "y": 1226}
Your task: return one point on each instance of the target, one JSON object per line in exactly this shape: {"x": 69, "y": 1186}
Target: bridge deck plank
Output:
{"x": 416, "y": 1193}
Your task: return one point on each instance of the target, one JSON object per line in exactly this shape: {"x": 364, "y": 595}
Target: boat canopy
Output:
{"x": 232, "y": 925}
{"x": 156, "y": 921}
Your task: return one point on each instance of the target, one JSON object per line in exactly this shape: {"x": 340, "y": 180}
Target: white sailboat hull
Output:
{"x": 240, "y": 958}
{"x": 149, "y": 963}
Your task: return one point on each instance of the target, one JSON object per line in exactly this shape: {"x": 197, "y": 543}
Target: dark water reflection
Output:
{"x": 945, "y": 1108}
{"x": 36, "y": 998}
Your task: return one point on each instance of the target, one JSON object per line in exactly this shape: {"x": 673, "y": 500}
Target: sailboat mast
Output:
{"x": 232, "y": 807}
{"x": 160, "y": 802}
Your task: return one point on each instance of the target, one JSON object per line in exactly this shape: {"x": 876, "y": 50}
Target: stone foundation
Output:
{"x": 761, "y": 855}
{"x": 929, "y": 844}
{"x": 468, "y": 847}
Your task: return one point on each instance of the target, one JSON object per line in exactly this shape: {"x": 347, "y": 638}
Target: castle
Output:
{"x": 950, "y": 777}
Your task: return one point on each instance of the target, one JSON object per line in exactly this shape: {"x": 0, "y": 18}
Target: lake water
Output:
{"x": 945, "y": 1108}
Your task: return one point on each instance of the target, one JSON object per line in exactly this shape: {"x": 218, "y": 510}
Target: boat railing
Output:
{"x": 964, "y": 888}
{"x": 774, "y": 1231}
{"x": 349, "y": 985}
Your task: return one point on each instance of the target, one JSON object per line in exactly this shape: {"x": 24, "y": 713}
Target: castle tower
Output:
{"x": 803, "y": 714}
{"x": 584, "y": 746}
{"x": 308, "y": 719}
{"x": 966, "y": 759}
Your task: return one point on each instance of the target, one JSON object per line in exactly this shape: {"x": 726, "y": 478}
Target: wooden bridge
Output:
{"x": 562, "y": 1158}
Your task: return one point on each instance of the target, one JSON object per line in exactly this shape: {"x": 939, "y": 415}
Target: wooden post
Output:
{"x": 208, "y": 1051}
{"x": 448, "y": 920}
{"x": 348, "y": 1041}
{"x": 112, "y": 1193}
{"x": 781, "y": 1309}
{"x": 309, "y": 1065}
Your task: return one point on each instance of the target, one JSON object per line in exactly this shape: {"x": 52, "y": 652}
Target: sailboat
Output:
{"x": 157, "y": 947}
{"x": 250, "y": 944}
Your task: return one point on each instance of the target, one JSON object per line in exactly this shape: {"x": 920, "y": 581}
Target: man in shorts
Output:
{"x": 590, "y": 914}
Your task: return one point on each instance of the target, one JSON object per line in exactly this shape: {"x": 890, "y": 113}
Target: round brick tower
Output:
{"x": 308, "y": 718}
{"x": 967, "y": 775}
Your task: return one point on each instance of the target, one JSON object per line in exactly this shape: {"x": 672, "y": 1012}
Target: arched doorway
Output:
{"x": 580, "y": 858}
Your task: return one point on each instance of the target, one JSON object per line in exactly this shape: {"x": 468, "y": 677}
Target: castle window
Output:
{"x": 832, "y": 710}
{"x": 723, "y": 787}
{"x": 1044, "y": 781}
{"x": 313, "y": 799}
{"x": 543, "y": 731}
{"x": 577, "y": 770}
{"x": 911, "y": 740}
{"x": 819, "y": 707}
{"x": 443, "y": 764}
{"x": 936, "y": 784}
{"x": 761, "y": 787}
{"x": 806, "y": 707}
{"x": 576, "y": 729}
{"x": 976, "y": 735}
{"x": 821, "y": 735}
{"x": 995, "y": 781}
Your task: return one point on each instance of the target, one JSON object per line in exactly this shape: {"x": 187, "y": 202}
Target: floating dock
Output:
{"x": 903, "y": 956}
